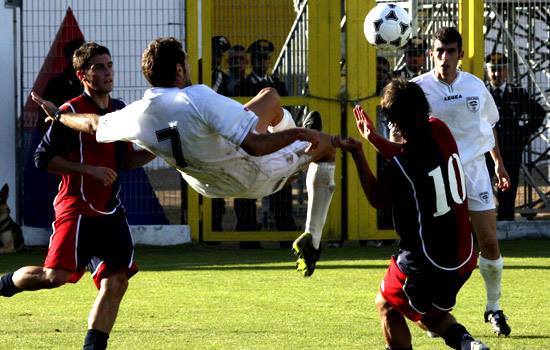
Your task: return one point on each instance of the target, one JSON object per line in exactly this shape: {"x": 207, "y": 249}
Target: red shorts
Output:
{"x": 435, "y": 296}
{"x": 101, "y": 243}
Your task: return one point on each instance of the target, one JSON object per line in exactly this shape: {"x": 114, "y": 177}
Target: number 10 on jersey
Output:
{"x": 439, "y": 185}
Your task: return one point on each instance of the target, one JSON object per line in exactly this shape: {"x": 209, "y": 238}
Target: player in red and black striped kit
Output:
{"x": 90, "y": 227}
{"x": 424, "y": 185}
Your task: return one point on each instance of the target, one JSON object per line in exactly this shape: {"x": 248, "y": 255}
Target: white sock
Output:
{"x": 320, "y": 187}
{"x": 286, "y": 123}
{"x": 491, "y": 271}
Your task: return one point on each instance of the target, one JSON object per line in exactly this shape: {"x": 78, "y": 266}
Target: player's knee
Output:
{"x": 115, "y": 286}
{"x": 269, "y": 91}
{"x": 488, "y": 245}
{"x": 56, "y": 278}
{"x": 384, "y": 308}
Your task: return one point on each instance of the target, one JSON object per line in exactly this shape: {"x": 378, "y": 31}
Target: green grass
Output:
{"x": 195, "y": 297}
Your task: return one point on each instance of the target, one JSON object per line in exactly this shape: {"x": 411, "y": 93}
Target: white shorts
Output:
{"x": 248, "y": 176}
{"x": 278, "y": 168}
{"x": 479, "y": 190}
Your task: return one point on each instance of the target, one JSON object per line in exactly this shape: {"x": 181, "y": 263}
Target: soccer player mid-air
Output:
{"x": 424, "y": 185}
{"x": 220, "y": 147}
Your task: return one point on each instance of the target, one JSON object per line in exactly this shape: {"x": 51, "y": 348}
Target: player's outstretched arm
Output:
{"x": 503, "y": 179}
{"x": 84, "y": 122}
{"x": 375, "y": 194}
{"x": 262, "y": 144}
{"x": 366, "y": 128}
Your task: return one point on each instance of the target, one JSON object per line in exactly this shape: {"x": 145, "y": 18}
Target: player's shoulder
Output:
{"x": 439, "y": 126}
{"x": 422, "y": 78}
{"x": 74, "y": 104}
{"x": 199, "y": 90}
{"x": 472, "y": 80}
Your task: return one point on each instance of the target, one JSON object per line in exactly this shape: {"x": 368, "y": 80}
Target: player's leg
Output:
{"x": 491, "y": 265}
{"x": 267, "y": 106}
{"x": 112, "y": 265}
{"x": 60, "y": 265}
{"x": 394, "y": 327}
{"x": 31, "y": 278}
{"x": 483, "y": 218}
{"x": 455, "y": 335}
{"x": 104, "y": 311}
{"x": 320, "y": 188}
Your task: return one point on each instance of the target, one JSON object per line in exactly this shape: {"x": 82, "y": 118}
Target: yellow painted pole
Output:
{"x": 324, "y": 86}
{"x": 471, "y": 22}
{"x": 192, "y": 47}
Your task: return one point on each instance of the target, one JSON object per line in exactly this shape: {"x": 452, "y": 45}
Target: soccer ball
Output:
{"x": 387, "y": 26}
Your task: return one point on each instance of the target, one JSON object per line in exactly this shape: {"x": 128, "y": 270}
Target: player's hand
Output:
{"x": 503, "y": 179}
{"x": 104, "y": 175}
{"x": 364, "y": 124}
{"x": 311, "y": 136}
{"x": 324, "y": 145}
{"x": 350, "y": 144}
{"x": 47, "y": 106}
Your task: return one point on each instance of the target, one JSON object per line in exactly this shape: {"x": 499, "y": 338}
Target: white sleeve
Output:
{"x": 121, "y": 125}
{"x": 225, "y": 115}
{"x": 490, "y": 110}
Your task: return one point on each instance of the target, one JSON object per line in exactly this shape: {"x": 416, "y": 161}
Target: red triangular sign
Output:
{"x": 54, "y": 64}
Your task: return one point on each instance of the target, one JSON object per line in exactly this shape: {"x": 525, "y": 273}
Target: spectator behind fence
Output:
{"x": 220, "y": 44}
{"x": 520, "y": 117}
{"x": 236, "y": 62}
{"x": 415, "y": 58}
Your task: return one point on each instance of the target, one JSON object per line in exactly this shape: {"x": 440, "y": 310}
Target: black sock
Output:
{"x": 95, "y": 340}
{"x": 409, "y": 348}
{"x": 7, "y": 288}
{"x": 455, "y": 334}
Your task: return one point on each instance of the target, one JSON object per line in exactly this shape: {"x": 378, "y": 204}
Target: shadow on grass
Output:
{"x": 530, "y": 336}
{"x": 201, "y": 257}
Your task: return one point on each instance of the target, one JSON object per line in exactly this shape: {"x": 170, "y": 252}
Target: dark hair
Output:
{"x": 83, "y": 55}
{"x": 405, "y": 105}
{"x": 159, "y": 60}
{"x": 448, "y": 35}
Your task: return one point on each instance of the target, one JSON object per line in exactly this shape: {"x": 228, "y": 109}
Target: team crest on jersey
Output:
{"x": 484, "y": 196}
{"x": 472, "y": 103}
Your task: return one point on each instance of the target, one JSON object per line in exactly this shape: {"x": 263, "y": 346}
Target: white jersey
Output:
{"x": 197, "y": 131}
{"x": 468, "y": 109}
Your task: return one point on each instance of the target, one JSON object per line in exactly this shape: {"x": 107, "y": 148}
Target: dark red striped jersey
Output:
{"x": 429, "y": 205}
{"x": 81, "y": 194}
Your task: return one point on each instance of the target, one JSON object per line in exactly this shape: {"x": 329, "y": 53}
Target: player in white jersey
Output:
{"x": 463, "y": 102}
{"x": 221, "y": 148}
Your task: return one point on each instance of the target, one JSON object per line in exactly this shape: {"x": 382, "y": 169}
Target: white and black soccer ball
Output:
{"x": 387, "y": 26}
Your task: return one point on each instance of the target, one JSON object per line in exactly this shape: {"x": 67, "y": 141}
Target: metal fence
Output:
{"x": 125, "y": 27}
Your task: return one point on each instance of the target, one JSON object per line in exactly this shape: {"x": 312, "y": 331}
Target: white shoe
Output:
{"x": 473, "y": 345}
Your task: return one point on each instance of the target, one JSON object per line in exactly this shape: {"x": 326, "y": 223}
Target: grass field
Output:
{"x": 193, "y": 297}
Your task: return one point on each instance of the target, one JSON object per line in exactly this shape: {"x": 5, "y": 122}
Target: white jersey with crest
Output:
{"x": 468, "y": 109}
{"x": 199, "y": 132}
